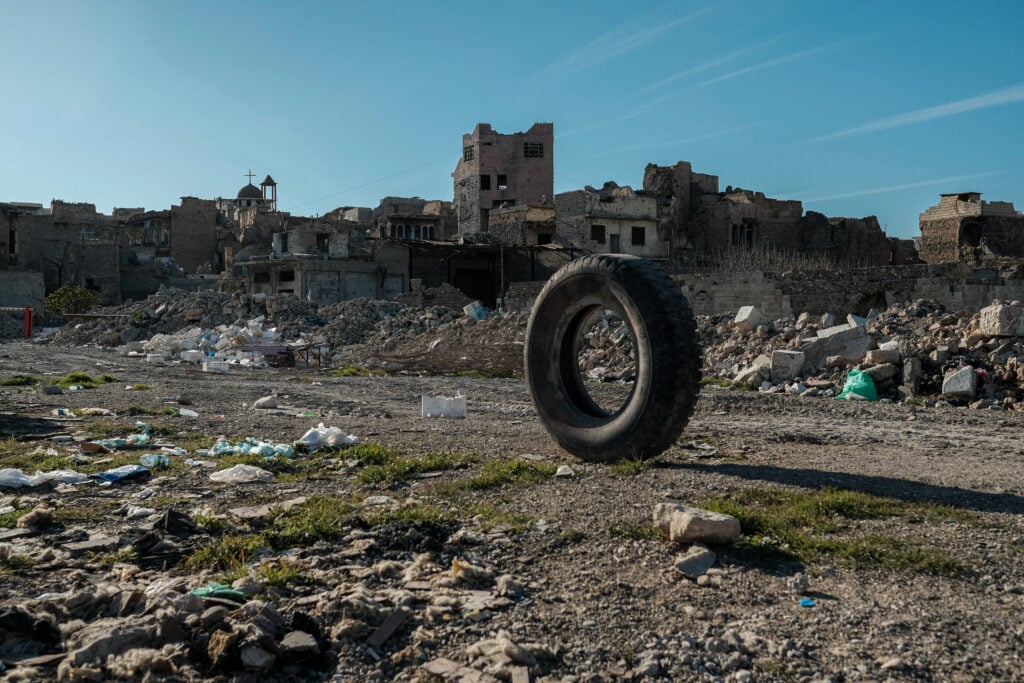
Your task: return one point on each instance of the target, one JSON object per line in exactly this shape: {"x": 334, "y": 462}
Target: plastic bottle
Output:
{"x": 155, "y": 460}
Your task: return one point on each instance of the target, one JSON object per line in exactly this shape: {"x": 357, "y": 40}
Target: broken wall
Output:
{"x": 22, "y": 288}
{"x": 194, "y": 235}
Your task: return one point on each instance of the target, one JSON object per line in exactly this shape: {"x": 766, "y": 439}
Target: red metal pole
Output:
{"x": 28, "y": 321}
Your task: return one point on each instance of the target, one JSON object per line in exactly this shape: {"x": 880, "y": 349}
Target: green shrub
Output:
{"x": 72, "y": 300}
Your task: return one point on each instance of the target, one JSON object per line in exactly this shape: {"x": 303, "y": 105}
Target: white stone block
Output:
{"x": 962, "y": 383}
{"x": 1000, "y": 320}
{"x": 748, "y": 318}
{"x": 786, "y": 365}
{"x": 693, "y": 525}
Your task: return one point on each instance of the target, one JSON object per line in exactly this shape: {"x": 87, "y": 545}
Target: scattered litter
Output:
{"x": 443, "y": 406}
{"x": 474, "y": 310}
{"x": 62, "y": 412}
{"x": 200, "y": 463}
{"x": 252, "y": 446}
{"x": 15, "y": 478}
{"x": 96, "y": 412}
{"x": 325, "y": 437}
{"x": 185, "y": 412}
{"x": 119, "y": 473}
{"x": 565, "y": 471}
{"x": 265, "y": 403}
{"x": 807, "y": 602}
{"x": 147, "y": 492}
{"x": 219, "y": 590}
{"x": 242, "y": 474}
{"x": 137, "y": 511}
{"x": 155, "y": 460}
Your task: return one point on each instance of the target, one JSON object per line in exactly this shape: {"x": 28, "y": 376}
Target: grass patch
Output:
{"x": 490, "y": 517}
{"x": 281, "y": 574}
{"x": 497, "y": 473}
{"x": 816, "y": 525}
{"x": 20, "y": 381}
{"x": 14, "y": 564}
{"x": 715, "y": 382}
{"x": 573, "y": 536}
{"x": 10, "y": 519}
{"x": 356, "y": 371}
{"x": 487, "y": 373}
{"x": 631, "y": 467}
{"x": 394, "y": 469}
{"x": 411, "y": 514}
{"x": 82, "y": 510}
{"x": 126, "y": 556}
{"x": 229, "y": 553}
{"x": 369, "y": 453}
{"x": 318, "y": 519}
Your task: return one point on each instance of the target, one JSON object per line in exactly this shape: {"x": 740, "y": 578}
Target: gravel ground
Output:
{"x": 573, "y": 585}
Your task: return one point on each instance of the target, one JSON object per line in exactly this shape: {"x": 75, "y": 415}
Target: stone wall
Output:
{"x": 22, "y": 288}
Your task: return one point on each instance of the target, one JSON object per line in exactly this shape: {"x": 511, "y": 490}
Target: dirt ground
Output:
{"x": 595, "y": 594}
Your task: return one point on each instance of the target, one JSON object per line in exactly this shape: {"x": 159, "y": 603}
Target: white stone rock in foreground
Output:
{"x": 693, "y": 525}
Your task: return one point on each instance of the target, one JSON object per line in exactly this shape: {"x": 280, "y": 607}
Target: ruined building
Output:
{"x": 414, "y": 219}
{"x": 500, "y": 171}
{"x": 962, "y": 227}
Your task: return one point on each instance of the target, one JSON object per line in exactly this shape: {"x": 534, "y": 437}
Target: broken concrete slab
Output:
{"x": 786, "y": 365}
{"x": 96, "y": 544}
{"x": 882, "y": 356}
{"x": 881, "y": 374}
{"x": 749, "y": 318}
{"x": 688, "y": 525}
{"x": 962, "y": 383}
{"x": 1000, "y": 320}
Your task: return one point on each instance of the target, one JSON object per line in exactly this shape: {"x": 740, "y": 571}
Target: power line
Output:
{"x": 372, "y": 182}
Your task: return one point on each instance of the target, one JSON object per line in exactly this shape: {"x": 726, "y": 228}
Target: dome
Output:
{"x": 250, "y": 191}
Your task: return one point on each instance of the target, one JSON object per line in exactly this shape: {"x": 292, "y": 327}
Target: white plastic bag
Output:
{"x": 242, "y": 474}
{"x": 326, "y": 437}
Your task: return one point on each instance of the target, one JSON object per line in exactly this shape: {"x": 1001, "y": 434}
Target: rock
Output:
{"x": 698, "y": 559}
{"x": 256, "y": 658}
{"x": 687, "y": 525}
{"x": 893, "y": 664}
{"x": 962, "y": 383}
{"x": 911, "y": 373}
{"x": 882, "y": 356}
{"x": 52, "y": 390}
{"x": 299, "y": 645}
{"x": 786, "y": 366}
{"x": 827, "y": 320}
{"x": 1000, "y": 320}
{"x": 40, "y": 516}
{"x": 797, "y": 583}
{"x": 748, "y": 318}
{"x": 882, "y": 373}
{"x": 265, "y": 403}
{"x": 856, "y": 320}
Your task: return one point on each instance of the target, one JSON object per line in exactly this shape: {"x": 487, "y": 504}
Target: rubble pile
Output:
{"x": 607, "y": 352}
{"x": 910, "y": 350}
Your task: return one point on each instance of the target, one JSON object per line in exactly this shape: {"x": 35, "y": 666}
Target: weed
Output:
{"x": 809, "y": 525}
{"x": 500, "y": 473}
{"x": 143, "y": 410}
{"x": 631, "y": 466}
{"x": 915, "y": 401}
{"x": 10, "y": 519}
{"x": 14, "y": 563}
{"x": 369, "y": 453}
{"x": 397, "y": 469}
{"x": 19, "y": 381}
{"x": 209, "y": 521}
{"x": 573, "y": 535}
{"x": 108, "y": 379}
{"x": 82, "y": 379}
{"x": 745, "y": 386}
{"x": 226, "y": 553}
{"x": 318, "y": 519}
{"x": 280, "y": 574}
{"x": 715, "y": 382}
{"x": 490, "y": 517}
{"x": 356, "y": 371}
{"x": 139, "y": 387}
{"x": 126, "y": 556}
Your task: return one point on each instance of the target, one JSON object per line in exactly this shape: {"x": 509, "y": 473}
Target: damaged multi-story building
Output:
{"x": 500, "y": 171}
{"x": 962, "y": 227}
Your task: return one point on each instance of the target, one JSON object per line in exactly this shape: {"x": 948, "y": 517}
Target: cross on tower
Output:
{"x": 250, "y": 174}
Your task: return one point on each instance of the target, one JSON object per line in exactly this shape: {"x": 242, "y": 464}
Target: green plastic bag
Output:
{"x": 859, "y": 387}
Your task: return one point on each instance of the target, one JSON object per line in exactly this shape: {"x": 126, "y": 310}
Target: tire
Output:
{"x": 666, "y": 349}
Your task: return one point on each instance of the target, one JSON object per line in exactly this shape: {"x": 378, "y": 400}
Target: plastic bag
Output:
{"x": 329, "y": 437}
{"x": 242, "y": 474}
{"x": 122, "y": 472}
{"x": 859, "y": 387}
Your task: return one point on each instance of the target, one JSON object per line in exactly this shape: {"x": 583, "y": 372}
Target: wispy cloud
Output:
{"x": 905, "y": 186}
{"x": 604, "y": 124}
{"x": 616, "y": 43}
{"x": 708, "y": 65}
{"x": 996, "y": 98}
{"x": 767, "y": 64}
{"x": 682, "y": 141}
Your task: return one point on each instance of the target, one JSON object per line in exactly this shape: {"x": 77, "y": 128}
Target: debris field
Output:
{"x": 206, "y": 487}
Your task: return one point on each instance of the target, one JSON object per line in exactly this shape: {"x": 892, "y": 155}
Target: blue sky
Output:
{"x": 856, "y": 108}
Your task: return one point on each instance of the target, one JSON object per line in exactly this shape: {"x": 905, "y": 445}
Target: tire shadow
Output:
{"x": 891, "y": 487}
